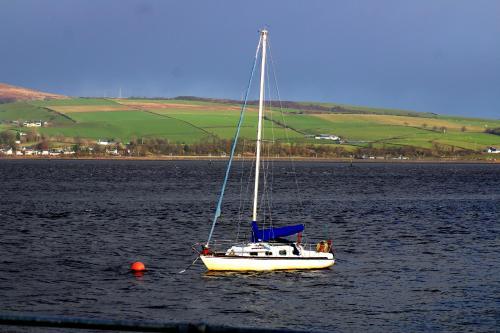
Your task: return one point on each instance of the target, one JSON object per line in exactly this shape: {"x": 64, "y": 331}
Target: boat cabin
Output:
{"x": 265, "y": 250}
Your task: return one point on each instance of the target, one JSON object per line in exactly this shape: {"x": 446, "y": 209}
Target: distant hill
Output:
{"x": 318, "y": 107}
{"x": 9, "y": 93}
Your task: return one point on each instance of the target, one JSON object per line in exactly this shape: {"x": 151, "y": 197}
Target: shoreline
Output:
{"x": 279, "y": 159}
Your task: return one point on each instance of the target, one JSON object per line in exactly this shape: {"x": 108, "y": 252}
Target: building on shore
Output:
{"x": 493, "y": 150}
{"x": 327, "y": 137}
{"x": 32, "y": 124}
{"x": 6, "y": 151}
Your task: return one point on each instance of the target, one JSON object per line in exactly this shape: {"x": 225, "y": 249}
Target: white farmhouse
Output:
{"x": 103, "y": 142}
{"x": 327, "y": 137}
{"x": 112, "y": 151}
{"x": 32, "y": 124}
{"x": 6, "y": 151}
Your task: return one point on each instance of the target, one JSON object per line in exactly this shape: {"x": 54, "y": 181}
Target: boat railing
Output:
{"x": 222, "y": 245}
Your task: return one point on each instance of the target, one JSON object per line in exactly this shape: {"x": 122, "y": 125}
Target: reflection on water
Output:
{"x": 266, "y": 274}
{"x": 417, "y": 245}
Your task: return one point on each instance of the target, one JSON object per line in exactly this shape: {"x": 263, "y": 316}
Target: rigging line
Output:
{"x": 262, "y": 206}
{"x": 242, "y": 172}
{"x": 235, "y": 141}
{"x": 264, "y": 190}
{"x": 270, "y": 110}
{"x": 301, "y": 205}
{"x": 248, "y": 193}
{"x": 270, "y": 148}
{"x": 268, "y": 145}
{"x": 264, "y": 144}
{"x": 194, "y": 262}
{"x": 265, "y": 187}
{"x": 269, "y": 187}
{"x": 244, "y": 197}
{"x": 269, "y": 166}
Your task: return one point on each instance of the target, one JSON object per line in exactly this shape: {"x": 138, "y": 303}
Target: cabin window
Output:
{"x": 269, "y": 253}
{"x": 253, "y": 253}
{"x": 282, "y": 252}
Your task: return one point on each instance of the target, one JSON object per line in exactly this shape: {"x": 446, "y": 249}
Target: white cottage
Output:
{"x": 327, "y": 137}
{"x": 493, "y": 150}
{"x": 6, "y": 151}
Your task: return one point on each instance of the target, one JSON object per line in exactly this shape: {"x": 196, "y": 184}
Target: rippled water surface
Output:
{"x": 418, "y": 245}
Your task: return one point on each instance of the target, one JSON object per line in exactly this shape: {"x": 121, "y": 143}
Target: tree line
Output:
{"x": 220, "y": 147}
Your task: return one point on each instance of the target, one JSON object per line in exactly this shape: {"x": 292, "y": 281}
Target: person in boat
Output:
{"x": 324, "y": 246}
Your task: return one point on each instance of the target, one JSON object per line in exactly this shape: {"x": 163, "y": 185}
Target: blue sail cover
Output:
{"x": 273, "y": 233}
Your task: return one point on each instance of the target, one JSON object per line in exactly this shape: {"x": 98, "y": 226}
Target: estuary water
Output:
{"x": 417, "y": 245}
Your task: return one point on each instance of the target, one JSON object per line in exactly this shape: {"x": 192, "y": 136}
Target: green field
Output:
{"x": 125, "y": 125}
{"x": 223, "y": 124}
{"x": 22, "y": 111}
{"x": 190, "y": 121}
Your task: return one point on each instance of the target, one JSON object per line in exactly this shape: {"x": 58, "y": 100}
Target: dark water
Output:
{"x": 418, "y": 245}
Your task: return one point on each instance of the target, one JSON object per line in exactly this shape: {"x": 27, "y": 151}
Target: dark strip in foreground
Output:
{"x": 127, "y": 325}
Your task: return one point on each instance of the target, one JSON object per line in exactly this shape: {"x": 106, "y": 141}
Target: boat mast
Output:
{"x": 263, "y": 36}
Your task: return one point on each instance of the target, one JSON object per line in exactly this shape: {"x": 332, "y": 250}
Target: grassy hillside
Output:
{"x": 195, "y": 120}
{"x": 125, "y": 125}
{"x": 25, "y": 111}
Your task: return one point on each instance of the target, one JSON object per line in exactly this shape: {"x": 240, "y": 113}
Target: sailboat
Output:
{"x": 267, "y": 250}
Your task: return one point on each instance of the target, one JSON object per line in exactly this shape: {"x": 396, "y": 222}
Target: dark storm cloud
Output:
{"x": 439, "y": 56}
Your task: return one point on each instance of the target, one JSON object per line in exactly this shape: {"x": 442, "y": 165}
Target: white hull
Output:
{"x": 236, "y": 263}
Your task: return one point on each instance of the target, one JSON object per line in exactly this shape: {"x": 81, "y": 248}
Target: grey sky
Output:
{"x": 429, "y": 55}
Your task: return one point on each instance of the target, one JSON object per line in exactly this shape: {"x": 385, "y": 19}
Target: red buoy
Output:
{"x": 137, "y": 267}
